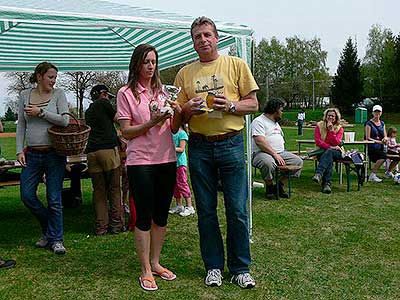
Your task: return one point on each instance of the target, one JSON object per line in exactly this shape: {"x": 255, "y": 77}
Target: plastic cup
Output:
{"x": 349, "y": 136}
{"x": 210, "y": 99}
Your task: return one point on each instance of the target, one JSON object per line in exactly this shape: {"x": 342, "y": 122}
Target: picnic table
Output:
{"x": 8, "y": 178}
{"x": 363, "y": 143}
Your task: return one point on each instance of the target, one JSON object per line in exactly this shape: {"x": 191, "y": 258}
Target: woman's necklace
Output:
{"x": 40, "y": 97}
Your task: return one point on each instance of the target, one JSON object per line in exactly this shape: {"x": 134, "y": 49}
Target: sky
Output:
{"x": 332, "y": 21}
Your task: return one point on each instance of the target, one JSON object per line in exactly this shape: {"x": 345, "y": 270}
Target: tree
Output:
{"x": 289, "y": 71}
{"x": 168, "y": 75}
{"x": 19, "y": 81}
{"x": 114, "y": 80}
{"x": 79, "y": 83}
{"x": 347, "y": 85}
{"x": 390, "y": 73}
{"x": 372, "y": 67}
{"x": 11, "y": 103}
{"x": 9, "y": 115}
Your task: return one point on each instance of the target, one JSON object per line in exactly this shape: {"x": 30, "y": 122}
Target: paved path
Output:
{"x": 7, "y": 134}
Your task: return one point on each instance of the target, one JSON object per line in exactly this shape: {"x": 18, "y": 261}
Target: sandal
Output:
{"x": 165, "y": 274}
{"x": 153, "y": 286}
{"x": 7, "y": 264}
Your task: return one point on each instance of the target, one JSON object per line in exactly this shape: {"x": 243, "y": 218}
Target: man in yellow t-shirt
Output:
{"x": 217, "y": 91}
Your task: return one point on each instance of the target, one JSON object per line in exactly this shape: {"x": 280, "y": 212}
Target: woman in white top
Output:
{"x": 40, "y": 108}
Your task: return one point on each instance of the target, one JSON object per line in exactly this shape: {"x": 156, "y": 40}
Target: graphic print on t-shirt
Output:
{"x": 209, "y": 83}
{"x": 213, "y": 83}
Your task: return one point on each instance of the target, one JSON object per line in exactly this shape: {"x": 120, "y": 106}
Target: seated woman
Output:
{"x": 375, "y": 131}
{"x": 328, "y": 135}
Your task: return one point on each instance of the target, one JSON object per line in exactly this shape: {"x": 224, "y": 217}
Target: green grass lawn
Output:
{"x": 312, "y": 246}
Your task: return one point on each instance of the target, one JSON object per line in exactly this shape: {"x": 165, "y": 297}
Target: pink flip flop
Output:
{"x": 165, "y": 274}
{"x": 153, "y": 286}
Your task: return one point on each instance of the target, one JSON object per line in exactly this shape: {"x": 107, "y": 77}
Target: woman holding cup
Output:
{"x": 151, "y": 159}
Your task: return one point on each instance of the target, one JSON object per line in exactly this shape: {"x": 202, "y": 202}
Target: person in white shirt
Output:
{"x": 268, "y": 148}
{"x": 301, "y": 116}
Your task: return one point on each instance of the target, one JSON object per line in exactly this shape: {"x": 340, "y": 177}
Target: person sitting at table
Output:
{"x": 393, "y": 149}
{"x": 39, "y": 108}
{"x": 328, "y": 135}
{"x": 268, "y": 148}
{"x": 375, "y": 131}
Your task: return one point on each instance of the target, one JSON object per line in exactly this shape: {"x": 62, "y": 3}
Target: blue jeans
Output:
{"x": 326, "y": 164}
{"x": 300, "y": 127}
{"x": 53, "y": 165}
{"x": 209, "y": 161}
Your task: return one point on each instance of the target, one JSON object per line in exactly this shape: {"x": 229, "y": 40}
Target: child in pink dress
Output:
{"x": 393, "y": 149}
{"x": 181, "y": 189}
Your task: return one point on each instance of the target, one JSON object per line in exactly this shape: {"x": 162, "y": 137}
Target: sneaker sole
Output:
{"x": 249, "y": 286}
{"x": 214, "y": 284}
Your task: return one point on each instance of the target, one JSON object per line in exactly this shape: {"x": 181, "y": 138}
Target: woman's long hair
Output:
{"x": 322, "y": 124}
{"x": 137, "y": 60}
{"x": 391, "y": 130}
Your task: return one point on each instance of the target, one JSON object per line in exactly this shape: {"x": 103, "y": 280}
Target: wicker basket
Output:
{"x": 69, "y": 140}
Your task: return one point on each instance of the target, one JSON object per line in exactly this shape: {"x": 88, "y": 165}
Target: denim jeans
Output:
{"x": 209, "y": 161}
{"x": 326, "y": 164}
{"x": 53, "y": 165}
{"x": 300, "y": 127}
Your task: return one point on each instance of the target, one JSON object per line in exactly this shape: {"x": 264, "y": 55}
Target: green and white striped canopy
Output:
{"x": 79, "y": 35}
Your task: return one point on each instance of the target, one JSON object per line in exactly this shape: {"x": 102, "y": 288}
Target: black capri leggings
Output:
{"x": 152, "y": 187}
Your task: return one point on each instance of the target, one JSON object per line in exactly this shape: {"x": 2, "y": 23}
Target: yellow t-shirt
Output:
{"x": 226, "y": 75}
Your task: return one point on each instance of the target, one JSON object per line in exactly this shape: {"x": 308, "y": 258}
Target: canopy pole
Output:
{"x": 243, "y": 52}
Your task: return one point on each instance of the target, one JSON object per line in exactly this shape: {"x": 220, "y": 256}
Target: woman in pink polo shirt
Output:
{"x": 151, "y": 159}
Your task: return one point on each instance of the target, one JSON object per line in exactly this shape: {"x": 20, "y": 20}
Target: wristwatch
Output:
{"x": 41, "y": 113}
{"x": 232, "y": 107}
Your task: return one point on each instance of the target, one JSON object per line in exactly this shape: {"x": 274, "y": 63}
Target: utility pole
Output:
{"x": 267, "y": 88}
{"x": 313, "y": 92}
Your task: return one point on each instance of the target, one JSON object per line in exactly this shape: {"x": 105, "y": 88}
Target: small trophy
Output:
{"x": 169, "y": 93}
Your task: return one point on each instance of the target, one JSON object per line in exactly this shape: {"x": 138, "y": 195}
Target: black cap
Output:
{"x": 98, "y": 89}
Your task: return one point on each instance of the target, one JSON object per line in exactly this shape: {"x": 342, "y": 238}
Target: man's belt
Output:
{"x": 213, "y": 138}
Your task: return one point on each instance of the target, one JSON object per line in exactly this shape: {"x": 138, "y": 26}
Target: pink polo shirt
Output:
{"x": 156, "y": 146}
{"x": 332, "y": 138}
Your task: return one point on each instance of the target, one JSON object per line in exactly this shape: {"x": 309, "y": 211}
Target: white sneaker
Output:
{"x": 58, "y": 248}
{"x": 374, "y": 178}
{"x": 189, "y": 210}
{"x": 244, "y": 280}
{"x": 213, "y": 278}
{"x": 389, "y": 174}
{"x": 177, "y": 209}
